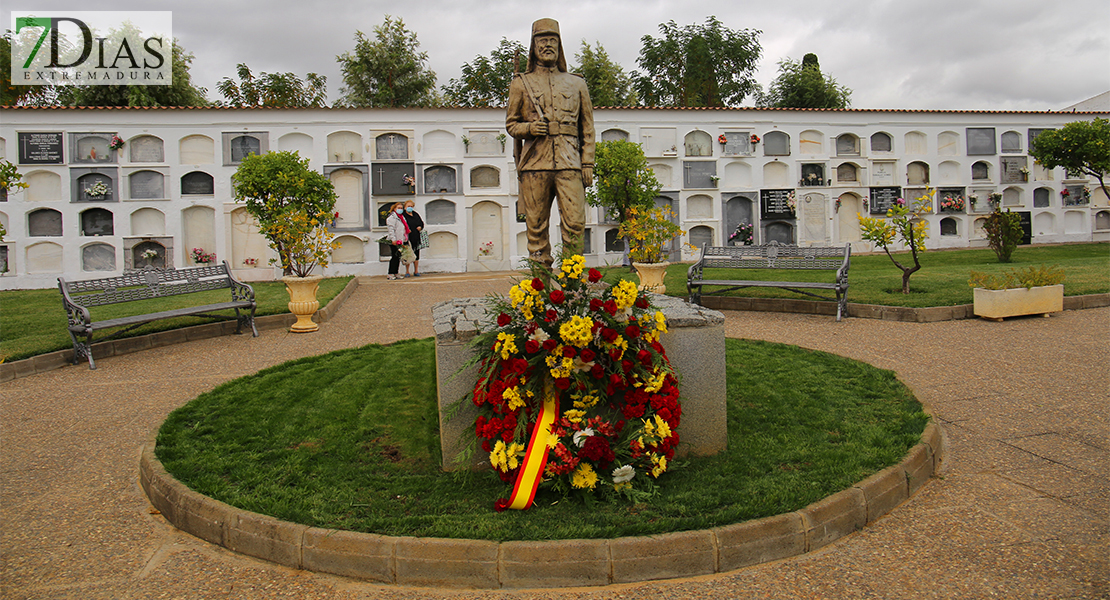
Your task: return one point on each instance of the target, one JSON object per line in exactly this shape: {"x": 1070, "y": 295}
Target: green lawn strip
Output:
{"x": 942, "y": 280}
{"x": 33, "y": 322}
{"x": 349, "y": 440}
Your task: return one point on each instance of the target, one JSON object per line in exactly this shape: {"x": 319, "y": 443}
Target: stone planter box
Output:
{"x": 999, "y": 304}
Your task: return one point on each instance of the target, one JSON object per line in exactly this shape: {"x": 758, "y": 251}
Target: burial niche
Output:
{"x": 485, "y": 176}
{"x": 147, "y": 148}
{"x": 847, "y": 144}
{"x": 981, "y": 170}
{"x": 698, "y": 143}
{"x": 197, "y": 150}
{"x": 391, "y": 146}
{"x": 701, "y": 236}
{"x": 439, "y": 212}
{"x": 98, "y": 257}
{"x": 45, "y": 222}
{"x": 881, "y": 142}
{"x": 197, "y": 183}
{"x": 148, "y": 222}
{"x": 344, "y": 146}
{"x": 96, "y": 221}
{"x": 776, "y": 143}
{"x": 440, "y": 179}
{"x": 610, "y": 135}
{"x": 1042, "y": 197}
{"x": 146, "y": 185}
{"x": 149, "y": 253}
{"x": 949, "y": 227}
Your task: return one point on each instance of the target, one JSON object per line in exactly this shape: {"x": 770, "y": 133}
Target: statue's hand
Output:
{"x": 537, "y": 128}
{"x": 587, "y": 176}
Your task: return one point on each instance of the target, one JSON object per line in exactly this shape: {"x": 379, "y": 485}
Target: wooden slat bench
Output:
{"x": 79, "y": 296}
{"x": 773, "y": 257}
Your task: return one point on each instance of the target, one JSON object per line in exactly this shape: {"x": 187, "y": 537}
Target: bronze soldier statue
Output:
{"x": 552, "y": 122}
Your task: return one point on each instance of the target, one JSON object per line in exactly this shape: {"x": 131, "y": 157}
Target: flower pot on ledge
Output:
{"x": 302, "y": 301}
{"x": 996, "y": 305}
{"x": 651, "y": 276}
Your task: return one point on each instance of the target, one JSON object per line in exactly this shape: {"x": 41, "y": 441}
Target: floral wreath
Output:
{"x": 589, "y": 354}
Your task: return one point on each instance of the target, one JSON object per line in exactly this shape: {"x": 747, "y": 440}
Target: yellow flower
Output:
{"x": 584, "y": 477}
{"x": 624, "y": 294}
{"x": 574, "y": 415}
{"x": 578, "y": 331}
{"x": 512, "y": 396}
{"x": 506, "y": 343}
{"x": 659, "y": 465}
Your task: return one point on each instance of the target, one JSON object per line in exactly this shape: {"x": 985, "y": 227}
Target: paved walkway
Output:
{"x": 1021, "y": 509}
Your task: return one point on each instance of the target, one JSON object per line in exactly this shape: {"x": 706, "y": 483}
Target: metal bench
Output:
{"x": 773, "y": 256}
{"x": 79, "y": 296}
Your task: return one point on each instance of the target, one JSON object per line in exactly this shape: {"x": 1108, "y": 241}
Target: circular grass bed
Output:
{"x": 349, "y": 440}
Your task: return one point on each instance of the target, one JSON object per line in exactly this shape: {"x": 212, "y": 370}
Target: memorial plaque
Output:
{"x": 699, "y": 174}
{"x": 980, "y": 141}
{"x": 440, "y": 179}
{"x": 980, "y": 170}
{"x": 147, "y": 148}
{"x": 881, "y": 142}
{"x": 610, "y": 135}
{"x": 774, "y": 204}
{"x": 813, "y": 222}
{"x": 737, "y": 143}
{"x": 776, "y": 143}
{"x": 98, "y": 257}
{"x": 698, "y": 143}
{"x": 813, "y": 174}
{"x": 1026, "y": 227}
{"x": 1011, "y": 142}
{"x": 243, "y": 146}
{"x": 779, "y": 232}
{"x": 485, "y": 177}
{"x": 96, "y": 221}
{"x": 1011, "y": 169}
{"x": 882, "y": 173}
{"x": 882, "y": 198}
{"x": 197, "y": 183}
{"x": 440, "y": 212}
{"x": 40, "y": 148}
{"x": 1033, "y": 133}
{"x": 44, "y": 223}
{"x": 389, "y": 178}
{"x": 4, "y": 268}
{"x": 1042, "y": 198}
{"x": 392, "y": 146}
{"x": 147, "y": 185}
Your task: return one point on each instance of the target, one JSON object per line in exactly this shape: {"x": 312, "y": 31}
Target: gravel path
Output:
{"x": 1021, "y": 510}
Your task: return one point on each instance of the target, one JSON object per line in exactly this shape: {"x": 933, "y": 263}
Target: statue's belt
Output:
{"x": 562, "y": 129}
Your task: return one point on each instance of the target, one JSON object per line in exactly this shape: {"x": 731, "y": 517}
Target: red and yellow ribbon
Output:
{"x": 535, "y": 459}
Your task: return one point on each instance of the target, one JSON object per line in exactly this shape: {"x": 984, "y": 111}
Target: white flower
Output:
{"x": 540, "y": 336}
{"x": 580, "y": 436}
{"x": 623, "y": 474}
{"x": 579, "y": 365}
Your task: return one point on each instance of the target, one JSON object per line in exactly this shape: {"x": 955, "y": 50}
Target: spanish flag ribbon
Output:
{"x": 535, "y": 459}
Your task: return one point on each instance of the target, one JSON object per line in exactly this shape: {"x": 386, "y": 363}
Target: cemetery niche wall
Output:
{"x": 92, "y": 210}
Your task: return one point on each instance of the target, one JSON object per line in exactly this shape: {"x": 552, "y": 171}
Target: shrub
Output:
{"x": 1004, "y": 233}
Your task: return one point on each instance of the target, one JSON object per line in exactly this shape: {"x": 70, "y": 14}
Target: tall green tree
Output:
{"x": 273, "y": 89}
{"x": 607, "y": 81}
{"x": 387, "y": 71}
{"x": 485, "y": 80}
{"x": 1079, "y": 147}
{"x": 698, "y": 65}
{"x": 803, "y": 85}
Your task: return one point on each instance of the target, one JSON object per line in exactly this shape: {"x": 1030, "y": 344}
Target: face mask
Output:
{"x": 399, "y": 211}
{"x": 408, "y": 209}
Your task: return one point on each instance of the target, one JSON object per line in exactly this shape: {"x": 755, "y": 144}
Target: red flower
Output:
{"x": 611, "y": 307}
{"x": 597, "y": 372}
{"x": 596, "y": 304}
{"x": 569, "y": 351}
{"x": 644, "y": 357}
{"x": 503, "y": 320}
{"x": 562, "y": 383}
{"x": 531, "y": 346}
{"x": 550, "y": 316}
{"x": 588, "y": 355}
{"x": 501, "y": 505}
{"x": 549, "y": 344}
{"x": 641, "y": 302}
{"x": 597, "y": 449}
{"x": 557, "y": 296}
{"x": 594, "y": 275}
{"x": 609, "y": 335}
{"x": 537, "y": 284}
{"x": 632, "y": 331}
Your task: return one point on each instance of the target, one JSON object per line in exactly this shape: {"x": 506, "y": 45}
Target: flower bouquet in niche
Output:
{"x": 574, "y": 390}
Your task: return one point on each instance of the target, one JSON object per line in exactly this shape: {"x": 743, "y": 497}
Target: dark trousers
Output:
{"x": 394, "y": 258}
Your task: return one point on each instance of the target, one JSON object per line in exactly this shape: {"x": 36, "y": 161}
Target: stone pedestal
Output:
{"x": 695, "y": 345}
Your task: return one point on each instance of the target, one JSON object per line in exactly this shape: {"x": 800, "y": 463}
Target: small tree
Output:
{"x": 274, "y": 89}
{"x": 905, "y": 226}
{"x": 293, "y": 205}
{"x": 388, "y": 71}
{"x": 608, "y": 83}
{"x": 1079, "y": 147}
{"x": 622, "y": 179}
{"x": 485, "y": 80}
{"x": 1004, "y": 233}
{"x": 803, "y": 85}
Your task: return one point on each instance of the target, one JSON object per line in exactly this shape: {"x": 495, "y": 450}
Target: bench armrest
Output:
{"x": 75, "y": 313}
{"x": 239, "y": 290}
{"x": 842, "y": 272}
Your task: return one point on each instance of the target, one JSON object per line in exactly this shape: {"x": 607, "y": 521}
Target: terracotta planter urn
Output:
{"x": 995, "y": 305}
{"x": 302, "y": 301}
{"x": 651, "y": 276}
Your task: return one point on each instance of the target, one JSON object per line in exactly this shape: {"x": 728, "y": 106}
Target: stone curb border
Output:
{"x": 876, "y": 311}
{"x": 64, "y": 358}
{"x": 482, "y": 564}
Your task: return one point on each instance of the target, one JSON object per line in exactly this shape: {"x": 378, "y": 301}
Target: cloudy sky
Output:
{"x": 940, "y": 54}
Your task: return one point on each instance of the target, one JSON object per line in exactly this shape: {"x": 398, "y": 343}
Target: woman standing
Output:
{"x": 398, "y": 235}
{"x": 416, "y": 225}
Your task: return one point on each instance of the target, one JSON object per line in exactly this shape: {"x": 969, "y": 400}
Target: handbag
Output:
{"x": 424, "y": 243}
{"x": 407, "y": 255}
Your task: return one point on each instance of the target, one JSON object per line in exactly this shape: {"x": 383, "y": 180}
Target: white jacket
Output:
{"x": 396, "y": 228}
